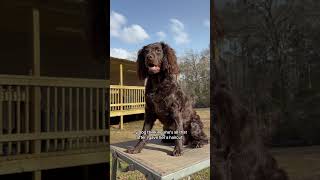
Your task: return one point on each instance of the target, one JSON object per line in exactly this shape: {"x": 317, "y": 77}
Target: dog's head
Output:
{"x": 155, "y": 58}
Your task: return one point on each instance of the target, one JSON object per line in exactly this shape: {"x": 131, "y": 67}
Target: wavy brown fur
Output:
{"x": 239, "y": 152}
{"x": 238, "y": 149}
{"x": 165, "y": 100}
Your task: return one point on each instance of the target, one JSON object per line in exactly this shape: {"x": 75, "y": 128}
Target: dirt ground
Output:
{"x": 301, "y": 163}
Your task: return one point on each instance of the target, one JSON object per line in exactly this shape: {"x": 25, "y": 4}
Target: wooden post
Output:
{"x": 18, "y": 125}
{"x": 70, "y": 116}
{"x": 121, "y": 96}
{"x": 36, "y": 175}
{"x": 36, "y": 73}
{"x": 36, "y": 42}
{"x": 36, "y": 93}
{"x": 9, "y": 111}
{"x": 48, "y": 118}
{"x": 115, "y": 164}
{"x": 1, "y": 118}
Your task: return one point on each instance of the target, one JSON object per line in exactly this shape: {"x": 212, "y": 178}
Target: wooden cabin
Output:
{"x": 53, "y": 86}
{"x": 129, "y": 72}
{"x": 126, "y": 90}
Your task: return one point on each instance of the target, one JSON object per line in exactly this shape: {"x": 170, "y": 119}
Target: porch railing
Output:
{"x": 44, "y": 115}
{"x": 126, "y": 100}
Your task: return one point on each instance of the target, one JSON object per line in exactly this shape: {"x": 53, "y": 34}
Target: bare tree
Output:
{"x": 271, "y": 50}
{"x": 195, "y": 76}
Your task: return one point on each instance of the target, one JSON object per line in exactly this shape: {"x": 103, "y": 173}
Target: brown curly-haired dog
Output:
{"x": 165, "y": 99}
{"x": 238, "y": 151}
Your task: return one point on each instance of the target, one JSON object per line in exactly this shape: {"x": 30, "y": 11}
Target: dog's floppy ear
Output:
{"x": 141, "y": 67}
{"x": 169, "y": 60}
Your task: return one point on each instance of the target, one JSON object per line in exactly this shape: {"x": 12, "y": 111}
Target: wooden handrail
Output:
{"x": 126, "y": 87}
{"x": 52, "y": 81}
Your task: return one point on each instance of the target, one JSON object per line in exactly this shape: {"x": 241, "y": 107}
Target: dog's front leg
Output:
{"x": 178, "y": 149}
{"x": 150, "y": 118}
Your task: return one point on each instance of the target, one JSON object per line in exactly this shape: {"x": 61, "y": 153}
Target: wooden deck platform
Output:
{"x": 156, "y": 162}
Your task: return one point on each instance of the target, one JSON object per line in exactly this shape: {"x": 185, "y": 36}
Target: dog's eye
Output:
{"x": 158, "y": 50}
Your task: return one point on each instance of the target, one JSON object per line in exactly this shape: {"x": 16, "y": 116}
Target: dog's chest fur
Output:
{"x": 161, "y": 101}
{"x": 162, "y": 97}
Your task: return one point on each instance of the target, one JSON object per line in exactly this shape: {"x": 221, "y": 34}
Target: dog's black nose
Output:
{"x": 149, "y": 56}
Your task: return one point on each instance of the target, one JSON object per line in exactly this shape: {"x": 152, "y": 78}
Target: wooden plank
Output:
{"x": 36, "y": 73}
{"x": 51, "y": 135}
{"x": 156, "y": 162}
{"x": 36, "y": 118}
{"x": 70, "y": 116}
{"x": 90, "y": 114}
{"x": 84, "y": 111}
{"x": 90, "y": 109}
{"x": 55, "y": 112}
{"x": 63, "y": 113}
{"x": 18, "y": 115}
{"x": 128, "y": 104}
{"x": 48, "y": 116}
{"x": 46, "y": 162}
{"x": 111, "y": 99}
{"x": 121, "y": 74}
{"x": 126, "y": 98}
{"x": 36, "y": 175}
{"x": 84, "y": 118}
{"x": 36, "y": 42}
{"x": 103, "y": 111}
{"x": 27, "y": 149}
{"x": 1, "y": 118}
{"x": 136, "y": 97}
{"x": 70, "y": 109}
{"x": 97, "y": 113}
{"x": 63, "y": 109}
{"x": 127, "y": 112}
{"x": 52, "y": 81}
{"x": 104, "y": 101}
{"x": 97, "y": 108}
{"x": 77, "y": 114}
{"x": 9, "y": 97}
{"x": 126, "y": 87}
{"x": 118, "y": 100}
{"x": 115, "y": 165}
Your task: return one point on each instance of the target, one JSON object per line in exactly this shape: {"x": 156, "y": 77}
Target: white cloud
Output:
{"x": 162, "y": 35}
{"x": 134, "y": 34}
{"x": 116, "y": 22}
{"x": 179, "y": 34}
{"x": 128, "y": 34}
{"x": 176, "y": 25}
{"x": 123, "y": 54}
{"x": 206, "y": 23}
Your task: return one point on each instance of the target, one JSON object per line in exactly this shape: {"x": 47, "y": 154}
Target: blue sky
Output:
{"x": 183, "y": 24}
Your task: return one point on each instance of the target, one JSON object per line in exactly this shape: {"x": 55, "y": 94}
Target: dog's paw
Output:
{"x": 197, "y": 145}
{"x": 177, "y": 152}
{"x": 132, "y": 150}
